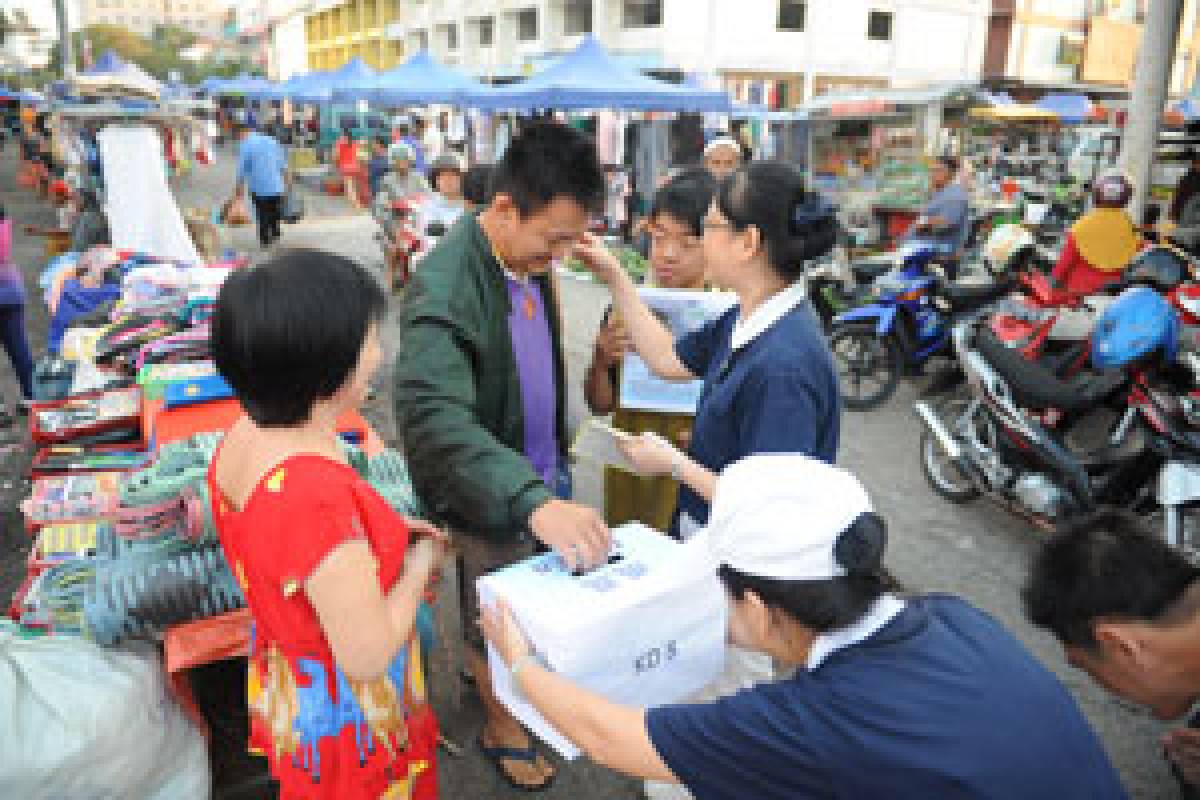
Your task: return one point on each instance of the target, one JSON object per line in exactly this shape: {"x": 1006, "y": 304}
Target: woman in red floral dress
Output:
{"x": 332, "y": 575}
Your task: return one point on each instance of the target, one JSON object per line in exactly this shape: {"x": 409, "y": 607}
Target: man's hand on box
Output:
{"x": 500, "y": 628}
{"x": 577, "y": 533}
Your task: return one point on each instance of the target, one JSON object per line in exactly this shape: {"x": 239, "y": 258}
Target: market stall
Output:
{"x": 868, "y": 150}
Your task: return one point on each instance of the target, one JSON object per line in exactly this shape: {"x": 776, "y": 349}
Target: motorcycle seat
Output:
{"x": 867, "y": 271}
{"x": 1036, "y": 387}
{"x": 966, "y": 297}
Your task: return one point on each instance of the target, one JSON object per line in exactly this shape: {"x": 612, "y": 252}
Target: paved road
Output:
{"x": 974, "y": 551}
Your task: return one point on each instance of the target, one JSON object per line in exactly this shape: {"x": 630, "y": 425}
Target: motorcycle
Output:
{"x": 907, "y": 323}
{"x": 1011, "y": 434}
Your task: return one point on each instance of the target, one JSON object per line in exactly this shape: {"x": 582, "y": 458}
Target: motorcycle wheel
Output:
{"x": 942, "y": 474}
{"x": 868, "y": 366}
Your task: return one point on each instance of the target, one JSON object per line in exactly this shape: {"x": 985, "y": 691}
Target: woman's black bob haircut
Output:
{"x": 288, "y": 332}
{"x": 796, "y": 225}
{"x": 686, "y": 198}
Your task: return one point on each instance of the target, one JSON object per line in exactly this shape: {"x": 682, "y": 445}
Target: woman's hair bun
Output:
{"x": 859, "y": 549}
{"x": 813, "y": 220}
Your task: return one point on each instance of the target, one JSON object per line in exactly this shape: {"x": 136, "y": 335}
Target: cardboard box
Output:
{"x": 646, "y": 629}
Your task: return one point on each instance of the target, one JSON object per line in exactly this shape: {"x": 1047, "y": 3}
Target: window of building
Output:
{"x": 487, "y": 31}
{"x": 641, "y": 13}
{"x": 422, "y": 40}
{"x": 577, "y": 17}
{"x": 791, "y": 15}
{"x": 879, "y": 26}
{"x": 451, "y": 37}
{"x": 527, "y": 25}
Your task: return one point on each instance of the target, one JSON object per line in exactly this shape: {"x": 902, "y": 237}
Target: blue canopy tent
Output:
{"x": 1070, "y": 108}
{"x": 587, "y": 78}
{"x": 320, "y": 88}
{"x": 241, "y": 85}
{"x": 420, "y": 80}
{"x": 213, "y": 84}
{"x": 7, "y": 93}
{"x": 291, "y": 87}
{"x": 109, "y": 62}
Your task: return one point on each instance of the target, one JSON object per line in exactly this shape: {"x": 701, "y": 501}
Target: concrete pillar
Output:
{"x": 65, "y": 44}
{"x": 1151, "y": 80}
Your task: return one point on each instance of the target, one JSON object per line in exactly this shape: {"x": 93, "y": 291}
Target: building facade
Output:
{"x": 797, "y": 48}
{"x": 205, "y": 18}
{"x": 1088, "y": 45}
{"x": 337, "y": 31}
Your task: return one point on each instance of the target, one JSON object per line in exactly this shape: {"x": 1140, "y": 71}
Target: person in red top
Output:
{"x": 332, "y": 575}
{"x": 1102, "y": 243}
{"x": 345, "y": 160}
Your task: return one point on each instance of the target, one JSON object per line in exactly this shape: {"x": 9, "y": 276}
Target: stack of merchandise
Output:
{"x": 124, "y": 542}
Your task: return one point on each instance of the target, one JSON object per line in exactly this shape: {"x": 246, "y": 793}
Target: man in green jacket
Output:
{"x": 480, "y": 390}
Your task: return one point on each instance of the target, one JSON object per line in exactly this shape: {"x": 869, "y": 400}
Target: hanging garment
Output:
{"x": 142, "y": 213}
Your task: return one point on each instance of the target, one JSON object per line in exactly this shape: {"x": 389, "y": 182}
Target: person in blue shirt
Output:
{"x": 944, "y": 222}
{"x": 893, "y": 697}
{"x": 262, "y": 170}
{"x": 769, "y": 380}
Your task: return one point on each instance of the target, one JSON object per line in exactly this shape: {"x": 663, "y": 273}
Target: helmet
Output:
{"x": 1112, "y": 190}
{"x": 1138, "y": 323}
{"x": 1005, "y": 245}
{"x": 1159, "y": 268}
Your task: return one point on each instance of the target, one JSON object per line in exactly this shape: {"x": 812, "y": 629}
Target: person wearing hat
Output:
{"x": 1102, "y": 242}
{"x": 400, "y": 182}
{"x": 448, "y": 202}
{"x": 892, "y": 697}
{"x": 722, "y": 156}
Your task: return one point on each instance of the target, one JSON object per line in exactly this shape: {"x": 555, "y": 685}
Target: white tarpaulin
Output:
{"x": 142, "y": 213}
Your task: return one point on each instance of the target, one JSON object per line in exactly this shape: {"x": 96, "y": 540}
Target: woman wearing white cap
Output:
{"x": 892, "y": 697}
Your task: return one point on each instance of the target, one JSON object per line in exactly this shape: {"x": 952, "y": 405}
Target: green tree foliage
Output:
{"x": 159, "y": 54}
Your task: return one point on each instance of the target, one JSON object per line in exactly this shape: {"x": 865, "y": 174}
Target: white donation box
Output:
{"x": 645, "y": 629}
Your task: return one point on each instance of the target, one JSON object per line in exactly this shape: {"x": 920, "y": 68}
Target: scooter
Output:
{"x": 1009, "y": 436}
{"x": 907, "y": 323}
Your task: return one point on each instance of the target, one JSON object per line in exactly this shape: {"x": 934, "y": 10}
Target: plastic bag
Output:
{"x": 293, "y": 207}
{"x": 90, "y": 723}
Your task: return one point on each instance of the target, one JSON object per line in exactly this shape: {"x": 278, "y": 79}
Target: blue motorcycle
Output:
{"x": 907, "y": 322}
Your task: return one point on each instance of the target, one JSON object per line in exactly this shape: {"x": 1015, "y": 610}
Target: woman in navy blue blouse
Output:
{"x": 769, "y": 381}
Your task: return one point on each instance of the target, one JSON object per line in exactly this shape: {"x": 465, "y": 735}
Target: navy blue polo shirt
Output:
{"x": 941, "y": 703}
{"x": 776, "y": 394}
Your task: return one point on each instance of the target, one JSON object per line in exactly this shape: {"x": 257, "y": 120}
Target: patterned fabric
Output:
{"x": 326, "y": 736}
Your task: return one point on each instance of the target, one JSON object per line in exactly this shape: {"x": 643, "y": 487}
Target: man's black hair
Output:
{"x": 382, "y": 141}
{"x": 548, "y": 160}
{"x": 288, "y": 332}
{"x": 1105, "y": 565}
{"x": 239, "y": 127}
{"x": 686, "y": 197}
{"x": 796, "y": 225}
{"x": 477, "y": 184}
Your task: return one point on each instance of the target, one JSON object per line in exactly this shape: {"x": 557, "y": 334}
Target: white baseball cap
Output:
{"x": 791, "y": 517}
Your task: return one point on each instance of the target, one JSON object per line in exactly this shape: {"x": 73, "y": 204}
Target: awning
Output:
{"x": 1014, "y": 113}
{"x": 589, "y": 78}
{"x": 1072, "y": 108}
{"x": 420, "y": 80}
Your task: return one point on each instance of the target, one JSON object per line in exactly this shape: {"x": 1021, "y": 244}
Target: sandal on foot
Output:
{"x": 528, "y": 755}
